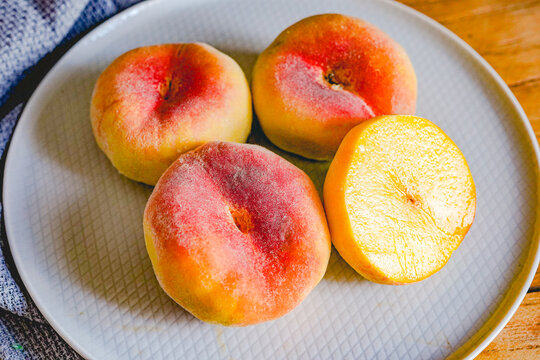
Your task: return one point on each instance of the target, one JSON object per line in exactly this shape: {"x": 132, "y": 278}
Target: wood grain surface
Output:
{"x": 507, "y": 34}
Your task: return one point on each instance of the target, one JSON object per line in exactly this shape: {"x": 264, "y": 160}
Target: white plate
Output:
{"x": 74, "y": 224}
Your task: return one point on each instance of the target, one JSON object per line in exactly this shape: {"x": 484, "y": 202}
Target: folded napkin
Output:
{"x": 33, "y": 36}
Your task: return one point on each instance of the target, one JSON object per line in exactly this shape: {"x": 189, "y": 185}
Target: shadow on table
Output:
{"x": 339, "y": 271}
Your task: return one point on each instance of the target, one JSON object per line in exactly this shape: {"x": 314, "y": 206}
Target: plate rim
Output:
{"x": 472, "y": 347}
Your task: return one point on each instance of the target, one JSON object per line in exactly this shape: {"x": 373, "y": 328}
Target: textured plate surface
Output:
{"x": 74, "y": 224}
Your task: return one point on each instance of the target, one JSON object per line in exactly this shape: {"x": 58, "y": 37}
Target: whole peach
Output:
{"x": 325, "y": 74}
{"x": 155, "y": 102}
{"x": 236, "y": 234}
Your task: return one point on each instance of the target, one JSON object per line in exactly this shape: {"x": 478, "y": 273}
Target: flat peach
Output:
{"x": 236, "y": 234}
{"x": 156, "y": 102}
{"x": 399, "y": 198}
{"x": 324, "y": 75}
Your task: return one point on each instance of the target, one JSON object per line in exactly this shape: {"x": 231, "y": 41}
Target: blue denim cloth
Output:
{"x": 33, "y": 36}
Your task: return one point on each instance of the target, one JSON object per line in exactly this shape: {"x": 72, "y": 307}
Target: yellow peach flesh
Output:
{"x": 399, "y": 198}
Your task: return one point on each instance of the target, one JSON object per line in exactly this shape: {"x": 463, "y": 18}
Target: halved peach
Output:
{"x": 399, "y": 199}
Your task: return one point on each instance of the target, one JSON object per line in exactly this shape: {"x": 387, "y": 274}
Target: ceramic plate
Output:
{"x": 75, "y": 225}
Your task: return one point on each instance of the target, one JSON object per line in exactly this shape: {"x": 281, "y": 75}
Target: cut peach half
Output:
{"x": 399, "y": 197}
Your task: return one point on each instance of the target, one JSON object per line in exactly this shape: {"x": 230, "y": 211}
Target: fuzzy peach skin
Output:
{"x": 155, "y": 102}
{"x": 325, "y": 74}
{"x": 236, "y": 234}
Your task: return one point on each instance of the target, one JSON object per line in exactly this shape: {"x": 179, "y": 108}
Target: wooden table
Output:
{"x": 507, "y": 34}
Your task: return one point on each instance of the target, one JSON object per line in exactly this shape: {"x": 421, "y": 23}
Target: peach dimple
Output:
{"x": 325, "y": 99}
{"x": 236, "y": 234}
{"x": 325, "y": 74}
{"x": 156, "y": 102}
